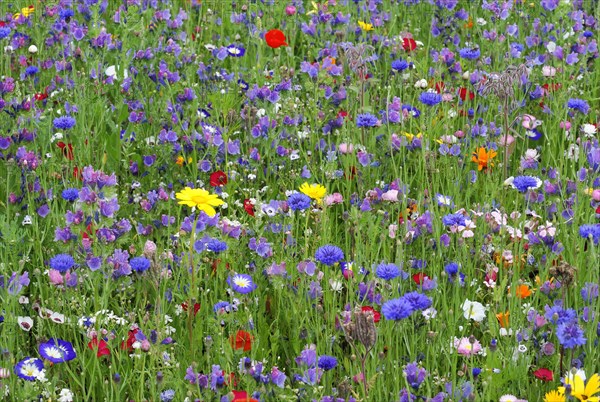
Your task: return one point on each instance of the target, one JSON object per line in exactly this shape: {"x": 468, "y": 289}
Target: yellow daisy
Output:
{"x": 365, "y": 26}
{"x": 199, "y": 198}
{"x": 314, "y": 191}
{"x": 554, "y": 396}
{"x": 25, "y": 12}
{"x": 581, "y": 391}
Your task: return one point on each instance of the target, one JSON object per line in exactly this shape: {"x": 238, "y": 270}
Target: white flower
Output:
{"x": 336, "y": 286}
{"x": 589, "y": 129}
{"x": 551, "y": 47}
{"x": 422, "y": 83}
{"x": 27, "y": 220}
{"x": 429, "y": 313}
{"x": 26, "y": 323}
{"x": 32, "y": 49}
{"x": 473, "y": 310}
{"x": 65, "y": 395}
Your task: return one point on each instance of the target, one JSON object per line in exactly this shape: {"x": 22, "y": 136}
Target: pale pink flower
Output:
{"x": 464, "y": 346}
{"x": 390, "y": 195}
{"x": 55, "y": 277}
{"x": 530, "y": 122}
{"x": 392, "y": 231}
{"x": 335, "y": 198}
{"x": 548, "y": 71}
{"x": 346, "y": 148}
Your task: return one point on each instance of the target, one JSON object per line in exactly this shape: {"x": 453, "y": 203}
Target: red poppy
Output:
{"x": 218, "y": 179}
{"x": 184, "y": 306}
{"x": 242, "y": 396}
{"x": 242, "y": 340}
{"x": 464, "y": 92}
{"x": 100, "y": 346}
{"x": 67, "y": 150}
{"x": 249, "y": 207}
{"x": 544, "y": 374}
{"x": 552, "y": 87}
{"x": 41, "y": 96}
{"x": 409, "y": 44}
{"x": 439, "y": 87}
{"x": 419, "y": 277}
{"x": 275, "y": 38}
{"x": 128, "y": 345}
{"x": 376, "y": 314}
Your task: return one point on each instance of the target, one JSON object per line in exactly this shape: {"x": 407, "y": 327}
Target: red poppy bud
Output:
{"x": 409, "y": 44}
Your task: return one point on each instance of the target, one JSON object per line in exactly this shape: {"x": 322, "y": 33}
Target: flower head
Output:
{"x": 397, "y": 309}
{"x": 63, "y": 123}
{"x": 241, "y": 283}
{"x": 430, "y": 98}
{"x": 326, "y": 362}
{"x": 57, "y": 351}
{"x": 275, "y": 38}
{"x": 329, "y": 254}
{"x": 199, "y": 198}
{"x": 524, "y": 183}
{"x": 29, "y": 368}
{"x": 483, "y": 158}
{"x": 62, "y": 262}
{"x": 314, "y": 191}
{"x": 581, "y": 391}
{"x": 365, "y": 26}
{"x": 554, "y": 396}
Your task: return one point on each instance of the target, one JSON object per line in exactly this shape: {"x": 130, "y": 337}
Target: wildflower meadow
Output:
{"x": 287, "y": 200}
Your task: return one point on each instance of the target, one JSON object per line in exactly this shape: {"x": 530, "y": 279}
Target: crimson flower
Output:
{"x": 100, "y": 346}
{"x": 218, "y": 179}
{"x": 419, "y": 277}
{"x": 275, "y": 38}
{"x": 376, "y": 314}
{"x": 544, "y": 374}
{"x": 249, "y": 207}
{"x": 409, "y": 44}
{"x": 67, "y": 150}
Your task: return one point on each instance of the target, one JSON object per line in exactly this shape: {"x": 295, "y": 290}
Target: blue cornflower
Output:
{"x": 366, "y": 120}
{"x": 66, "y": 13}
{"x": 400, "y": 65}
{"x": 70, "y": 194}
{"x": 589, "y": 292}
{"x": 590, "y": 230}
{"x": 451, "y": 269}
{"x": 298, "y": 201}
{"x": 62, "y": 262}
{"x": 326, "y": 362}
{"x": 397, "y": 309}
{"x": 4, "y": 32}
{"x": 524, "y": 183}
{"x": 418, "y": 301}
{"x": 329, "y": 254}
{"x": 470, "y": 54}
{"x": 430, "y": 98}
{"x": 454, "y": 219}
{"x": 31, "y": 70}
{"x": 387, "y": 271}
{"x": 64, "y": 122}
{"x": 139, "y": 264}
{"x": 570, "y": 335}
{"x": 415, "y": 375}
{"x": 579, "y": 105}
{"x": 216, "y": 246}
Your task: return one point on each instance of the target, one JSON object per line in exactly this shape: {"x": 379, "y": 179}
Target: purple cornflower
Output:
{"x": 397, "y": 309}
{"x": 57, "y": 351}
{"x": 62, "y": 262}
{"x": 329, "y": 254}
{"x": 139, "y": 264}
{"x": 430, "y": 98}
{"x": 366, "y": 120}
{"x": 216, "y": 246}
{"x": 570, "y": 335}
{"x": 277, "y": 377}
{"x": 63, "y": 123}
{"x": 241, "y": 283}
{"x": 454, "y": 219}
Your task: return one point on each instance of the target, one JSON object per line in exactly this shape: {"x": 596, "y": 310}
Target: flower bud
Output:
{"x": 33, "y": 49}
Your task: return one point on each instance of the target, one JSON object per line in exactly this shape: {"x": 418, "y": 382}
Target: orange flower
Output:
{"x": 503, "y": 319}
{"x": 523, "y": 291}
{"x": 483, "y": 158}
{"x": 241, "y": 340}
